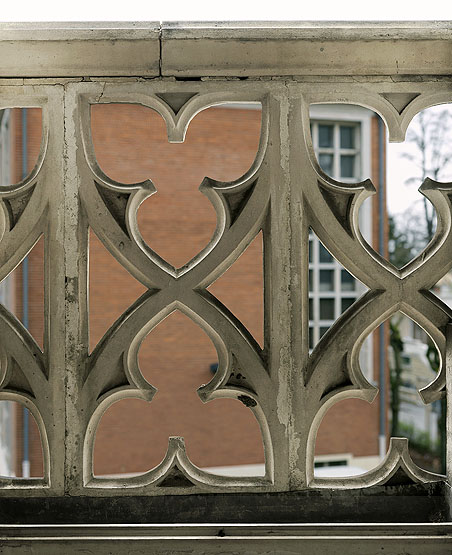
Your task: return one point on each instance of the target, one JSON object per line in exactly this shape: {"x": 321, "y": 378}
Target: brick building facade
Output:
{"x": 177, "y": 356}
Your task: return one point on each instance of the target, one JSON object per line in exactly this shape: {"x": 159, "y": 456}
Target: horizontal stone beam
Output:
{"x": 418, "y": 539}
{"x": 79, "y": 49}
{"x": 240, "y": 49}
{"x": 303, "y": 49}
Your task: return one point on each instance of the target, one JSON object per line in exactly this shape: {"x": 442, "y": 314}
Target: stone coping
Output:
{"x": 365, "y": 539}
{"x": 225, "y": 49}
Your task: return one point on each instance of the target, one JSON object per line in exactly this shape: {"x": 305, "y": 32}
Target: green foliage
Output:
{"x": 395, "y": 376}
{"x": 419, "y": 440}
{"x": 433, "y": 356}
{"x": 406, "y": 237}
{"x": 431, "y": 156}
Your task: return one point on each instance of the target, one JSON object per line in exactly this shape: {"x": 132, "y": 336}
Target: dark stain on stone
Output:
{"x": 71, "y": 289}
{"x": 247, "y": 401}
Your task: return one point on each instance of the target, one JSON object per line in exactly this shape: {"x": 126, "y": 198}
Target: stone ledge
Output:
{"x": 79, "y": 49}
{"x": 396, "y": 504}
{"x": 308, "y": 48}
{"x": 229, "y": 538}
{"x": 238, "y": 49}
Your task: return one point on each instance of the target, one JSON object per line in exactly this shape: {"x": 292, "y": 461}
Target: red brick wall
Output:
{"x": 177, "y": 221}
{"x": 36, "y": 279}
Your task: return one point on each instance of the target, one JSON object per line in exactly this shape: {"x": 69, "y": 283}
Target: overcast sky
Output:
{"x": 192, "y": 10}
{"x": 400, "y": 195}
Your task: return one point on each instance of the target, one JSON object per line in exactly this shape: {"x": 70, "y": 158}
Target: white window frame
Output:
{"x": 337, "y": 114}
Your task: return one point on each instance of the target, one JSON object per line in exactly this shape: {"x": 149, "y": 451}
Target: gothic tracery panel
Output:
{"x": 284, "y": 194}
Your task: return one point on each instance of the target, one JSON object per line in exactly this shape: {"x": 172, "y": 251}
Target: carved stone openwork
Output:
{"x": 111, "y": 210}
{"x": 284, "y": 194}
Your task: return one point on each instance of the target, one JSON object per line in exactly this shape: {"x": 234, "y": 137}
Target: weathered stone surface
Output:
{"x": 79, "y": 49}
{"x": 306, "y": 48}
{"x": 415, "y": 539}
{"x": 417, "y": 503}
{"x": 393, "y": 69}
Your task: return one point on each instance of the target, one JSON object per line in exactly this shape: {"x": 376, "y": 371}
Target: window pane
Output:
{"x": 326, "y": 135}
{"x": 326, "y": 280}
{"x": 326, "y": 309}
{"x": 346, "y": 303}
{"x": 347, "y": 136}
{"x": 326, "y": 163}
{"x": 324, "y": 255}
{"x": 311, "y": 309}
{"x": 311, "y": 338}
{"x": 347, "y": 165}
{"x": 348, "y": 282}
{"x": 311, "y": 246}
{"x": 311, "y": 279}
{"x": 322, "y": 331}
